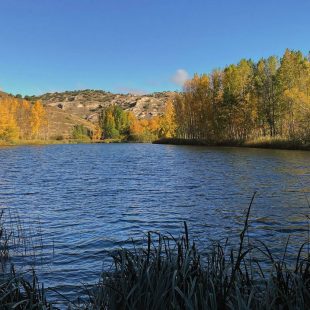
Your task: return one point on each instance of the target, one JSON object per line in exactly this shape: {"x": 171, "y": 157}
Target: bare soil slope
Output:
{"x": 87, "y": 103}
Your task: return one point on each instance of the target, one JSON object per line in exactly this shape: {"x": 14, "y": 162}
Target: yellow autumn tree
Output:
{"x": 154, "y": 125}
{"x": 8, "y": 127}
{"x": 300, "y": 114}
{"x": 23, "y": 118}
{"x": 96, "y": 133}
{"x": 38, "y": 119}
{"x": 135, "y": 127}
{"x": 168, "y": 123}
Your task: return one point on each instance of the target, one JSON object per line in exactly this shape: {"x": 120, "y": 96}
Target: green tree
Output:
{"x": 80, "y": 132}
{"x": 121, "y": 120}
{"x": 108, "y": 125}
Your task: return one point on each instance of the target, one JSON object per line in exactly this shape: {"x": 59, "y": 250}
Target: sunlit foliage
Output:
{"x": 38, "y": 120}
{"x": 119, "y": 124}
{"x": 19, "y": 119}
{"x": 270, "y": 98}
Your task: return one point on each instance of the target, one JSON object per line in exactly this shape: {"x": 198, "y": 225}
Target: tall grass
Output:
{"x": 172, "y": 274}
{"x": 22, "y": 291}
{"x": 4, "y": 242}
{"x": 17, "y": 290}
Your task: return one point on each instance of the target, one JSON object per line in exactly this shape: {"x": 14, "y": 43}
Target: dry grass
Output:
{"x": 263, "y": 142}
{"x": 277, "y": 143}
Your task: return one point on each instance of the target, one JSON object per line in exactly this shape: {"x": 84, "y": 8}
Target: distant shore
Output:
{"x": 67, "y": 141}
{"x": 265, "y": 144}
{"x": 64, "y": 141}
{"x": 45, "y": 142}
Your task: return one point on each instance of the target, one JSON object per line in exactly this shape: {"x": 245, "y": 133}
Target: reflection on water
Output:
{"x": 89, "y": 199}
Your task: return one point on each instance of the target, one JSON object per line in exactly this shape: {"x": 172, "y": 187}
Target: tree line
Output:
{"x": 250, "y": 100}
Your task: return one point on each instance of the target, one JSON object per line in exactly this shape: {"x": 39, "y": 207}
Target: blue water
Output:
{"x": 78, "y": 202}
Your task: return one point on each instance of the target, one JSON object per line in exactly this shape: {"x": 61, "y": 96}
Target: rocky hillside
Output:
{"x": 87, "y": 103}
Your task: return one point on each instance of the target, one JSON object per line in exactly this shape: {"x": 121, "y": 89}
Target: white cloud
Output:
{"x": 180, "y": 77}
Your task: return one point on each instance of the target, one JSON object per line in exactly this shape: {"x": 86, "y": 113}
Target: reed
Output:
{"x": 22, "y": 291}
{"x": 172, "y": 274}
{"x": 4, "y": 242}
{"x": 17, "y": 290}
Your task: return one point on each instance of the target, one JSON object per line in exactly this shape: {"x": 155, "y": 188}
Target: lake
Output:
{"x": 78, "y": 202}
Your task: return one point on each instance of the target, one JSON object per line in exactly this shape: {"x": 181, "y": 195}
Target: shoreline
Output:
{"x": 45, "y": 142}
{"x": 65, "y": 141}
{"x": 267, "y": 144}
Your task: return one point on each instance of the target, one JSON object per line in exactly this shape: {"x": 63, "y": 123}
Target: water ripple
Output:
{"x": 84, "y": 201}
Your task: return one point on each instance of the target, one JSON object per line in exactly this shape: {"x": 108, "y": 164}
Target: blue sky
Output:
{"x": 138, "y": 45}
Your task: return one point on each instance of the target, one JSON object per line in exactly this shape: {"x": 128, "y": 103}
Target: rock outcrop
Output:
{"x": 88, "y": 103}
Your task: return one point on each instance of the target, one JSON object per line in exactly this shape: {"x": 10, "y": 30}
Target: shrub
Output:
{"x": 79, "y": 132}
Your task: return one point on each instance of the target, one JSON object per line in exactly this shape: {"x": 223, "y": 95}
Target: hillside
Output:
{"x": 87, "y": 103}
{"x": 60, "y": 122}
